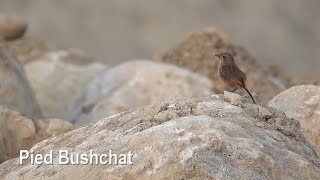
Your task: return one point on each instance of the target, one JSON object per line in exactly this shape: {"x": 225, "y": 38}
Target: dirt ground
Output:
{"x": 275, "y": 32}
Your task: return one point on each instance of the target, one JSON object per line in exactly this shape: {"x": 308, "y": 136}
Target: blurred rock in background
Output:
{"x": 197, "y": 51}
{"x": 18, "y": 132}
{"x": 26, "y": 49}
{"x": 284, "y": 33}
{"x": 11, "y": 28}
{"x": 303, "y": 104}
{"x": 136, "y": 84}
{"x": 58, "y": 78}
{"x": 15, "y": 90}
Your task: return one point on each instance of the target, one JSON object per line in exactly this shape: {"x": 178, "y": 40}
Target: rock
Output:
{"x": 26, "y": 49}
{"x": 264, "y": 113}
{"x": 204, "y": 138}
{"x": 233, "y": 98}
{"x": 197, "y": 51}
{"x": 135, "y": 84}
{"x": 15, "y": 91}
{"x": 20, "y": 133}
{"x": 303, "y": 104}
{"x": 11, "y": 27}
{"x": 58, "y": 78}
{"x": 53, "y": 127}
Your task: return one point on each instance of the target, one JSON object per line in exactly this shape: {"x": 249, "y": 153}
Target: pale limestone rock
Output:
{"x": 135, "y": 84}
{"x": 58, "y": 78}
{"x": 302, "y": 103}
{"x": 233, "y": 98}
{"x": 20, "y": 133}
{"x": 205, "y": 138}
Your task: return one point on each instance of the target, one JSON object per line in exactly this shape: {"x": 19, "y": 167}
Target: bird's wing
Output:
{"x": 234, "y": 74}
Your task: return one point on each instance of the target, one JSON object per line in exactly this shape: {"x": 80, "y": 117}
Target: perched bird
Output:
{"x": 231, "y": 75}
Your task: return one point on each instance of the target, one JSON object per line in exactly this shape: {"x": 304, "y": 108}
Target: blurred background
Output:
{"x": 285, "y": 33}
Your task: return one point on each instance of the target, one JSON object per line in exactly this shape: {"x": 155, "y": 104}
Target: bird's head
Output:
{"x": 225, "y": 57}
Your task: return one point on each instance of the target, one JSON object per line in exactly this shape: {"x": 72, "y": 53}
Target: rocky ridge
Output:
{"x": 184, "y": 139}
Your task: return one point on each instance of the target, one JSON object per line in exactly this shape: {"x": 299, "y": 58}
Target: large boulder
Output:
{"x": 15, "y": 90}
{"x": 302, "y": 103}
{"x": 21, "y": 133}
{"x": 197, "y": 51}
{"x": 135, "y": 84}
{"x": 58, "y": 78}
{"x": 205, "y": 138}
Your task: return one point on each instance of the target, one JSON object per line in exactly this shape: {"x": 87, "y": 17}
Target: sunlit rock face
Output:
{"x": 183, "y": 139}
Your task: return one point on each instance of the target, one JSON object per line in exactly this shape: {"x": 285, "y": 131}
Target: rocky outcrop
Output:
{"x": 15, "y": 90}
{"x": 205, "y": 138}
{"x": 11, "y": 27}
{"x": 58, "y": 78}
{"x": 303, "y": 104}
{"x": 21, "y": 133}
{"x": 197, "y": 51}
{"x": 135, "y": 84}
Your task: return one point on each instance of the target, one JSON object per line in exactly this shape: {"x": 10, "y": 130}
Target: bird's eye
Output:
{"x": 223, "y": 56}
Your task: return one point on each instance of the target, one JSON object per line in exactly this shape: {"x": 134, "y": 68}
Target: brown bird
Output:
{"x": 230, "y": 74}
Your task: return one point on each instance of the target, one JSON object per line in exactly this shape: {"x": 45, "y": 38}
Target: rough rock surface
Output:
{"x": 15, "y": 90}
{"x": 197, "y": 51}
{"x": 205, "y": 138}
{"x": 58, "y": 79}
{"x": 11, "y": 27}
{"x": 18, "y": 132}
{"x": 303, "y": 104}
{"x": 136, "y": 84}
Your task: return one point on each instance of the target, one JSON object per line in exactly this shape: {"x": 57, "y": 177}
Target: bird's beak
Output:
{"x": 218, "y": 55}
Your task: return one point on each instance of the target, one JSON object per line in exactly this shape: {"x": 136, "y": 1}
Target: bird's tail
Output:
{"x": 249, "y": 94}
